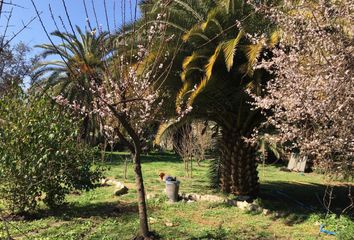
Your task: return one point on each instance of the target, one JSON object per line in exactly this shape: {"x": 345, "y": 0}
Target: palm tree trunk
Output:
{"x": 238, "y": 173}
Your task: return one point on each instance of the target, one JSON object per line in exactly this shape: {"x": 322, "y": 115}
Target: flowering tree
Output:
{"x": 310, "y": 101}
{"x": 123, "y": 88}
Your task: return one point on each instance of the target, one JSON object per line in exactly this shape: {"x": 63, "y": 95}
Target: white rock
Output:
{"x": 266, "y": 212}
{"x": 211, "y": 198}
{"x": 152, "y": 220}
{"x": 245, "y": 206}
{"x": 103, "y": 181}
{"x": 169, "y": 224}
{"x": 206, "y": 198}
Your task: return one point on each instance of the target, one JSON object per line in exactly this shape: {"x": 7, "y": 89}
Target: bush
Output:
{"x": 343, "y": 226}
{"x": 40, "y": 157}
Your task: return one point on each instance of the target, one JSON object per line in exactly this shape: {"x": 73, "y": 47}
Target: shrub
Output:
{"x": 342, "y": 225}
{"x": 40, "y": 157}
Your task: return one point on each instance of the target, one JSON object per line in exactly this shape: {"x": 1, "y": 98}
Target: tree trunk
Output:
{"x": 191, "y": 160}
{"x": 125, "y": 168}
{"x": 135, "y": 149}
{"x": 144, "y": 228}
{"x": 103, "y": 150}
{"x": 238, "y": 173}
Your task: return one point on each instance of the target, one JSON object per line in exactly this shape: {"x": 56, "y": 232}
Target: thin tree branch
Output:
{"x": 106, "y": 14}
{"x": 19, "y": 31}
{"x": 95, "y": 14}
{"x": 87, "y": 15}
{"x": 48, "y": 36}
{"x": 68, "y": 17}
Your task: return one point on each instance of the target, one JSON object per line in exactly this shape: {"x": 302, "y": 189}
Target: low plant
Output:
{"x": 41, "y": 158}
{"x": 342, "y": 226}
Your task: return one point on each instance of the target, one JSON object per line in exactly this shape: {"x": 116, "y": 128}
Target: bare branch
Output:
{"x": 68, "y": 17}
{"x": 25, "y": 26}
{"x": 48, "y": 36}
{"x": 87, "y": 15}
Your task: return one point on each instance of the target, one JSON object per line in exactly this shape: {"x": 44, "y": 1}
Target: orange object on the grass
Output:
{"x": 161, "y": 175}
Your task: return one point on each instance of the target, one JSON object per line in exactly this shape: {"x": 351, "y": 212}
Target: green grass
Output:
{"x": 293, "y": 199}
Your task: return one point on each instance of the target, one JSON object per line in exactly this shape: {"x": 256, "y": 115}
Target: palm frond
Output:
{"x": 253, "y": 51}
{"x": 188, "y": 60}
{"x": 196, "y": 30}
{"x": 189, "y": 9}
{"x": 229, "y": 49}
{"x": 209, "y": 67}
{"x": 274, "y": 38}
{"x": 180, "y": 95}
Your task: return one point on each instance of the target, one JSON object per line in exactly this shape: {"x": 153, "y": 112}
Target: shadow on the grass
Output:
{"x": 119, "y": 158}
{"x": 102, "y": 209}
{"x": 294, "y": 202}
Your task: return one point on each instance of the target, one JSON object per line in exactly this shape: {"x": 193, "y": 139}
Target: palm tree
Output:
{"x": 216, "y": 77}
{"x": 82, "y": 56}
{"x": 216, "y": 72}
{"x": 182, "y": 15}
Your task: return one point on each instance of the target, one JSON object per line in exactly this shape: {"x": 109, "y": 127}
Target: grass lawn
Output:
{"x": 293, "y": 200}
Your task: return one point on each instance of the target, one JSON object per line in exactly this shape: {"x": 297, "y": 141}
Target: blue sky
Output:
{"x": 35, "y": 34}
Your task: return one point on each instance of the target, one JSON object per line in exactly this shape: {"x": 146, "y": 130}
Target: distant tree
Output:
{"x": 15, "y": 60}
{"x": 82, "y": 55}
{"x": 15, "y": 66}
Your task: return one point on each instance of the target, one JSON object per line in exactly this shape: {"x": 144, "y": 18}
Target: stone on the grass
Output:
{"x": 152, "y": 220}
{"x": 266, "y": 212}
{"x": 109, "y": 182}
{"x": 206, "y": 198}
{"x": 245, "y": 206}
{"x": 104, "y": 182}
{"x": 212, "y": 198}
{"x": 120, "y": 189}
{"x": 169, "y": 224}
